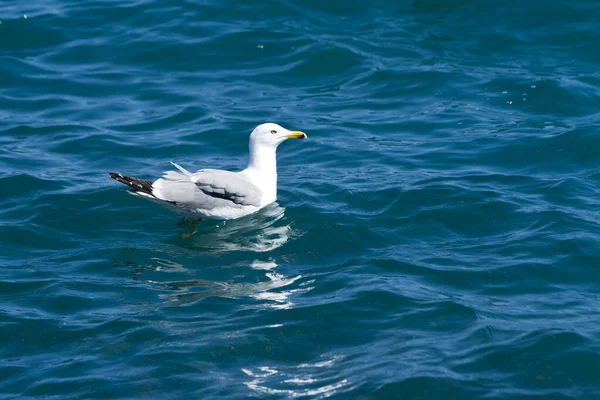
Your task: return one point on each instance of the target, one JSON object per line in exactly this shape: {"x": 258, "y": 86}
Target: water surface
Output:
{"x": 436, "y": 237}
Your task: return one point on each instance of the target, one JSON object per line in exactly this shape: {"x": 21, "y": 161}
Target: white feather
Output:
{"x": 183, "y": 170}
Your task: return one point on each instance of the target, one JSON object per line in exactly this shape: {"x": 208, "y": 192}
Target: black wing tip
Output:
{"x": 138, "y": 185}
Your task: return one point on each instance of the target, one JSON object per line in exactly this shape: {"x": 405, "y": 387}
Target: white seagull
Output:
{"x": 219, "y": 194}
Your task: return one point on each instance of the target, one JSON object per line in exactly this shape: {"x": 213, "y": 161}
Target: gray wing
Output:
{"x": 227, "y": 185}
{"x": 206, "y": 189}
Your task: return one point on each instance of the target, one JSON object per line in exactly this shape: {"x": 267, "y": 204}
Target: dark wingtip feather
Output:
{"x": 136, "y": 184}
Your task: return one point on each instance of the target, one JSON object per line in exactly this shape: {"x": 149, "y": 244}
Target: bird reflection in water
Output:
{"x": 259, "y": 232}
{"x": 269, "y": 292}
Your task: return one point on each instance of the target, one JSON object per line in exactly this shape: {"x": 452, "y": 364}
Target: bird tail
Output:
{"x": 138, "y": 185}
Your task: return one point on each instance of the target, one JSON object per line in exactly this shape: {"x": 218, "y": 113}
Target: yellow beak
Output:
{"x": 297, "y": 135}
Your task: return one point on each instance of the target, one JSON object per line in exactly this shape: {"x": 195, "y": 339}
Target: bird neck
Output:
{"x": 262, "y": 169}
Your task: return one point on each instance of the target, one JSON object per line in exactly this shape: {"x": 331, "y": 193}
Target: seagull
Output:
{"x": 219, "y": 194}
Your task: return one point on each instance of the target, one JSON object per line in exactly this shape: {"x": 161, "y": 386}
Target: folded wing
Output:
{"x": 207, "y": 189}
{"x": 226, "y": 185}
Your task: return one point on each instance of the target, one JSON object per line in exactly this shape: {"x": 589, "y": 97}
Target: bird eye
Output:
{"x": 273, "y": 132}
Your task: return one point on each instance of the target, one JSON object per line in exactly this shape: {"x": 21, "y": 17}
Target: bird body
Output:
{"x": 219, "y": 194}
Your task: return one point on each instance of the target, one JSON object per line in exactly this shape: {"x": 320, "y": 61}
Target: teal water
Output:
{"x": 436, "y": 237}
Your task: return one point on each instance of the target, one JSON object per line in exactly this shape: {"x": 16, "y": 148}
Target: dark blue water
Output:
{"x": 436, "y": 237}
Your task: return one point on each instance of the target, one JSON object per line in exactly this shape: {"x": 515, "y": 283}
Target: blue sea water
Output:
{"x": 436, "y": 237}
